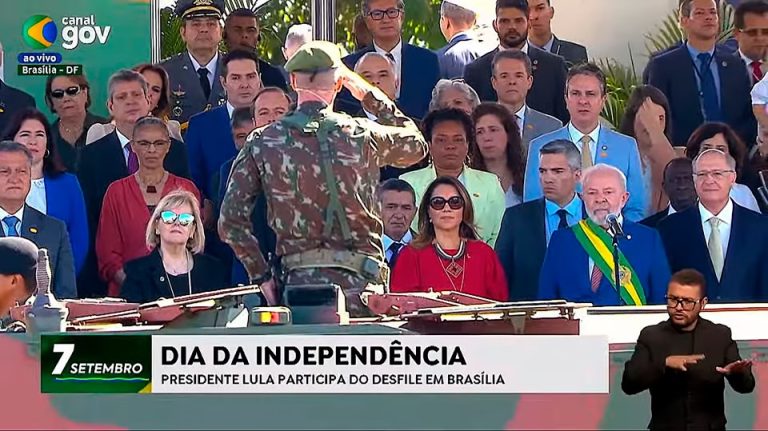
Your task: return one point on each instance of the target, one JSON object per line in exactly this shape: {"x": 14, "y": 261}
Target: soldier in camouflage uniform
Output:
{"x": 319, "y": 170}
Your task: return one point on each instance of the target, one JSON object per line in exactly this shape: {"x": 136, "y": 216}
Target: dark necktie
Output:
{"x": 133, "y": 160}
{"x": 391, "y": 57}
{"x": 708, "y": 89}
{"x": 11, "y": 222}
{"x": 204, "y": 82}
{"x": 394, "y": 248}
{"x": 563, "y": 214}
{"x": 757, "y": 72}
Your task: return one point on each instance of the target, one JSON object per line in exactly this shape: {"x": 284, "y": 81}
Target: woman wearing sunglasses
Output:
{"x": 54, "y": 192}
{"x": 175, "y": 267}
{"x": 130, "y": 202}
{"x": 446, "y": 254}
{"x": 69, "y": 97}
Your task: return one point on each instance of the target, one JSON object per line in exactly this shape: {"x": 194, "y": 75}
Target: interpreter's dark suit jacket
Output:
{"x": 102, "y": 163}
{"x": 745, "y": 270}
{"x": 547, "y": 94}
{"x": 673, "y": 73}
{"x": 51, "y": 234}
{"x": 685, "y": 400}
{"x": 521, "y": 246}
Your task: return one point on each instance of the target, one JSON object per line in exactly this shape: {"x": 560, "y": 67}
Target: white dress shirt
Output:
{"x": 211, "y": 66}
{"x": 36, "y": 197}
{"x": 19, "y": 215}
{"x": 386, "y": 241}
{"x": 124, "y": 143}
{"x": 230, "y": 109}
{"x": 524, "y": 48}
{"x": 397, "y": 53}
{"x": 576, "y": 136}
{"x": 759, "y": 92}
{"x": 671, "y": 210}
{"x": 726, "y": 221}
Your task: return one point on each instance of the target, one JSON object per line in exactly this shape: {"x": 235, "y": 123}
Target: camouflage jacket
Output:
{"x": 285, "y": 163}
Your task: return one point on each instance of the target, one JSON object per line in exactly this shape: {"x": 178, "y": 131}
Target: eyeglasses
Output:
{"x": 69, "y": 91}
{"x": 454, "y": 203}
{"x": 754, "y": 32}
{"x": 170, "y": 217}
{"x": 686, "y": 303}
{"x": 158, "y": 144}
{"x": 716, "y": 175}
{"x": 378, "y": 14}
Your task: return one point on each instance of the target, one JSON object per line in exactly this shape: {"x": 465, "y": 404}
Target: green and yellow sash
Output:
{"x": 599, "y": 246}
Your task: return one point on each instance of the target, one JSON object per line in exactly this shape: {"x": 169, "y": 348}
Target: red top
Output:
{"x": 123, "y": 225}
{"x": 419, "y": 270}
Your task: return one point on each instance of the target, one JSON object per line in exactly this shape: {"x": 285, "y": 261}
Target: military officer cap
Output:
{"x": 315, "y": 56}
{"x": 186, "y": 9}
{"x": 17, "y": 256}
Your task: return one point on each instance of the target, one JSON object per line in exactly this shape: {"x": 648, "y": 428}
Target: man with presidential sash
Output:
{"x": 579, "y": 265}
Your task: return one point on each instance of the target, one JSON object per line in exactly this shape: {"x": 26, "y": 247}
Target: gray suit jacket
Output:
{"x": 460, "y": 51}
{"x": 51, "y": 234}
{"x": 537, "y": 124}
{"x": 187, "y": 97}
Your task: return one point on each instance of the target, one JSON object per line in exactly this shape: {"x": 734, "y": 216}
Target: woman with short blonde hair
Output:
{"x": 176, "y": 266}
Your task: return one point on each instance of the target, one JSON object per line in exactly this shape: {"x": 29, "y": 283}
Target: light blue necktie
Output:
{"x": 10, "y": 223}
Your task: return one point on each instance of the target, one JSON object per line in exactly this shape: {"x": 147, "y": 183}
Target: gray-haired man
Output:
{"x": 526, "y": 229}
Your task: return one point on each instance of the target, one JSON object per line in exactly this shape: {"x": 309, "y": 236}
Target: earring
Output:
{"x": 47, "y": 153}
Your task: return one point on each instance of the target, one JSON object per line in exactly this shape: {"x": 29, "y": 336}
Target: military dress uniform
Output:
{"x": 319, "y": 170}
{"x": 187, "y": 94}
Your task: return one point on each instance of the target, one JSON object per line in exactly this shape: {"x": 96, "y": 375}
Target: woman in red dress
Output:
{"x": 447, "y": 255}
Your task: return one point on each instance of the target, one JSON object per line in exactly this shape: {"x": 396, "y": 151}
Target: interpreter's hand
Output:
{"x": 269, "y": 290}
{"x": 678, "y": 362}
{"x": 356, "y": 84}
{"x": 735, "y": 367}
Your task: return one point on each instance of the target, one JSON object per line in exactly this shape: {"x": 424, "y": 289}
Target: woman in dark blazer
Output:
{"x": 54, "y": 192}
{"x": 176, "y": 266}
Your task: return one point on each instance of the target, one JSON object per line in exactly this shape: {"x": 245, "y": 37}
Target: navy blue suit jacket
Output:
{"x": 418, "y": 76}
{"x": 673, "y": 73}
{"x": 210, "y": 144}
{"x": 745, "y": 273}
{"x": 565, "y": 272}
{"x": 65, "y": 201}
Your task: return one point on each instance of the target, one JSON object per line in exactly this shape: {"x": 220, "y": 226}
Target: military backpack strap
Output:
{"x": 322, "y": 129}
{"x": 335, "y": 210}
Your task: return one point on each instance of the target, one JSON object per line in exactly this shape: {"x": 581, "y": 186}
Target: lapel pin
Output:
{"x": 33, "y": 230}
{"x": 162, "y": 278}
{"x": 185, "y": 67}
{"x": 477, "y": 195}
{"x": 605, "y": 148}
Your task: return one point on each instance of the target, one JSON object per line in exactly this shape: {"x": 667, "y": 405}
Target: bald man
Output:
{"x": 18, "y": 267}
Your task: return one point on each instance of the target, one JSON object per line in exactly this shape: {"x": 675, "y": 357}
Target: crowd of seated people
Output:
{"x": 512, "y": 202}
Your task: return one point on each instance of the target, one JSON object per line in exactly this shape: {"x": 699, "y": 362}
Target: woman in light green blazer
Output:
{"x": 450, "y": 133}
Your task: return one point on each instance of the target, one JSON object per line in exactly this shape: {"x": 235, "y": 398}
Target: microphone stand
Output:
{"x": 616, "y": 274}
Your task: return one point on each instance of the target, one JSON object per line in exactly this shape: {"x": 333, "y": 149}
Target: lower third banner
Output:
{"x": 325, "y": 364}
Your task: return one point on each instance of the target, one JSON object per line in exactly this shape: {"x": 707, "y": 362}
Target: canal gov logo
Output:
{"x": 39, "y": 31}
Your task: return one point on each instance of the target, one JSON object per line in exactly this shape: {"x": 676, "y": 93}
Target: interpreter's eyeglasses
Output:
{"x": 715, "y": 175}
{"x": 170, "y": 217}
{"x": 69, "y": 91}
{"x": 686, "y": 303}
{"x": 754, "y": 32}
{"x": 378, "y": 14}
{"x": 454, "y": 203}
{"x": 158, "y": 144}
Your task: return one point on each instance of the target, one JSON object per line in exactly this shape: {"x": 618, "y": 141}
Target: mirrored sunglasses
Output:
{"x": 170, "y": 217}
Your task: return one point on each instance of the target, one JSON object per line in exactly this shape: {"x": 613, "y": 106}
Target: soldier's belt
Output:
{"x": 359, "y": 263}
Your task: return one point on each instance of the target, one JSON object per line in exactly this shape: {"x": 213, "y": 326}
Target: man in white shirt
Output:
{"x": 398, "y": 208}
{"x": 512, "y": 79}
{"x": 416, "y": 69}
{"x": 379, "y": 71}
{"x": 724, "y": 241}
{"x": 751, "y": 22}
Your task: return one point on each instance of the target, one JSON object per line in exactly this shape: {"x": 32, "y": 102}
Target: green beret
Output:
{"x": 314, "y": 56}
